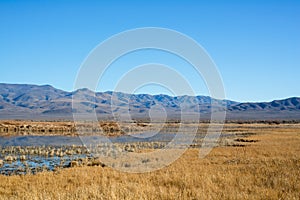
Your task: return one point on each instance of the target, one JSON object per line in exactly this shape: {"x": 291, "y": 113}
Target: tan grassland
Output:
{"x": 266, "y": 169}
{"x": 70, "y": 128}
{"x": 111, "y": 128}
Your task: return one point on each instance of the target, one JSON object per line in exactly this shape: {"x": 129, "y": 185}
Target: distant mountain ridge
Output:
{"x": 34, "y": 101}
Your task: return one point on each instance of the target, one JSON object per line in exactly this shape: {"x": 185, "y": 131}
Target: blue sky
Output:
{"x": 255, "y": 44}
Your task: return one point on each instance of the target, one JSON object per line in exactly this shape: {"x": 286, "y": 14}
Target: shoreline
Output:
{"x": 112, "y": 128}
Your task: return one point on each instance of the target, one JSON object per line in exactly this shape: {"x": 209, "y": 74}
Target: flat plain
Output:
{"x": 259, "y": 161}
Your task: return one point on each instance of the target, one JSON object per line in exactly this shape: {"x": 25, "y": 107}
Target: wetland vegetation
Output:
{"x": 252, "y": 160}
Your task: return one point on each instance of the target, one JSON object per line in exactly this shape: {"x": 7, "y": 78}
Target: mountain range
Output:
{"x": 24, "y": 101}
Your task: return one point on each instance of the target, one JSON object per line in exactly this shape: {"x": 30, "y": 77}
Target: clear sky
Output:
{"x": 255, "y": 44}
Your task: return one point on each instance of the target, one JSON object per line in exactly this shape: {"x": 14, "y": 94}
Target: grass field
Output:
{"x": 266, "y": 169}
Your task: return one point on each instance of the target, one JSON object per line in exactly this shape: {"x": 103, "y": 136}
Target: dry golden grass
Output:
{"x": 28, "y": 127}
{"x": 267, "y": 169}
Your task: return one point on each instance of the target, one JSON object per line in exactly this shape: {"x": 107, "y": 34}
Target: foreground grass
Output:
{"x": 268, "y": 169}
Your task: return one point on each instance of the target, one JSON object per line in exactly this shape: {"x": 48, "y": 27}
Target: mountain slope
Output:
{"x": 33, "y": 101}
